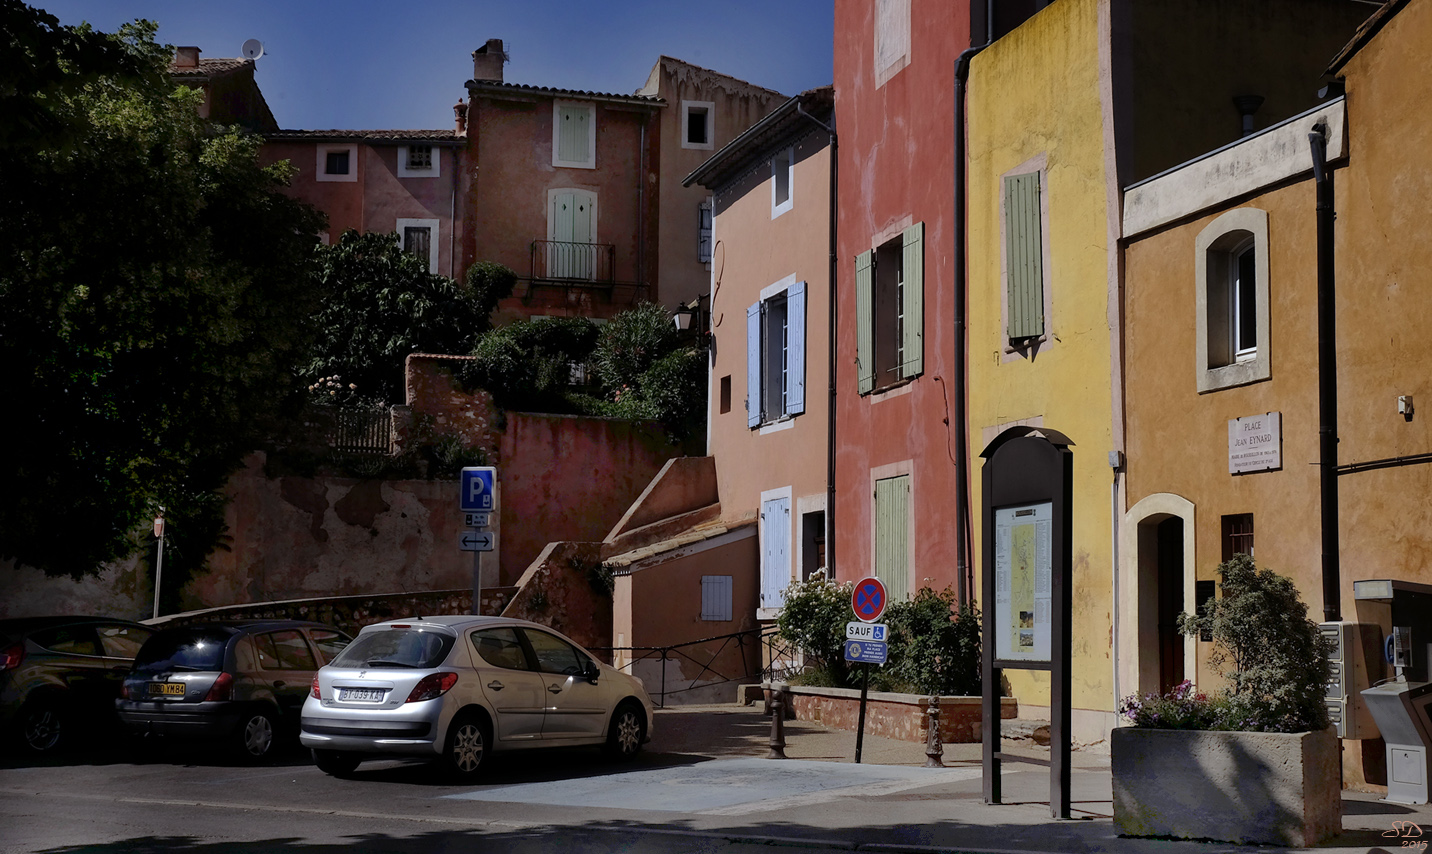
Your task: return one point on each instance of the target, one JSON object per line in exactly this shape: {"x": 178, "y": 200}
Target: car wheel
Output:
{"x": 467, "y": 741}
{"x": 627, "y": 732}
{"x": 256, "y": 736}
{"x": 336, "y": 762}
{"x": 43, "y": 724}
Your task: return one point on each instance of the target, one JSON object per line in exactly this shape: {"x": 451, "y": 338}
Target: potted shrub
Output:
{"x": 1254, "y": 763}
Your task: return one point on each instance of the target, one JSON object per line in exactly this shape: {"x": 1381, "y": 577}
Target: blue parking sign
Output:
{"x": 477, "y": 494}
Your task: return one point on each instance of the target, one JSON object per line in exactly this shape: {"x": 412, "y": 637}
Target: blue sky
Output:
{"x": 360, "y": 64}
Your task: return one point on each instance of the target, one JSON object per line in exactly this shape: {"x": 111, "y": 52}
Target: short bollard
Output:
{"x": 778, "y": 723}
{"x": 934, "y": 748}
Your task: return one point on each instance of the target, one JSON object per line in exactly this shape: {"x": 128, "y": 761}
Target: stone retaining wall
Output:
{"x": 351, "y": 613}
{"x": 900, "y": 716}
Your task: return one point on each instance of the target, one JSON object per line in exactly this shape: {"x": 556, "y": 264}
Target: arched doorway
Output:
{"x": 1156, "y": 580}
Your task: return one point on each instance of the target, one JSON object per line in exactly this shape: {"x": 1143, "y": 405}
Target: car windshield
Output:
{"x": 195, "y": 648}
{"x": 396, "y": 648}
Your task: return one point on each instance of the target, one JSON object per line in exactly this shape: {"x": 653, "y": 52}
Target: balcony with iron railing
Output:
{"x": 565, "y": 263}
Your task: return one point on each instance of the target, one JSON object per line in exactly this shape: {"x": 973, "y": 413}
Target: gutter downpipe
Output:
{"x": 1327, "y": 376}
{"x": 964, "y": 559}
{"x": 830, "y": 351}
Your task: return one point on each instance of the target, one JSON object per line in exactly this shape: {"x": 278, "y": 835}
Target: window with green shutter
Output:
{"x": 892, "y": 535}
{"x": 574, "y": 135}
{"x": 889, "y": 311}
{"x": 1024, "y": 257}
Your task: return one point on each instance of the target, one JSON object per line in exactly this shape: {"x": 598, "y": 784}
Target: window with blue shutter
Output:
{"x": 716, "y": 598}
{"x": 775, "y": 356}
{"x": 1024, "y": 257}
{"x": 775, "y": 551}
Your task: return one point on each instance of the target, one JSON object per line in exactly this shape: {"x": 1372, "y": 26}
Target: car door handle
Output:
{"x": 279, "y": 684}
{"x": 495, "y": 685}
{"x": 555, "y": 687}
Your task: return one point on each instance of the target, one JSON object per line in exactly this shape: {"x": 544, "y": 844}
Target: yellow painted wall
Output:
{"x": 1037, "y": 92}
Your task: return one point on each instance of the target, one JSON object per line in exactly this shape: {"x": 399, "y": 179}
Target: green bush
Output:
{"x": 934, "y": 643}
{"x": 1277, "y": 661}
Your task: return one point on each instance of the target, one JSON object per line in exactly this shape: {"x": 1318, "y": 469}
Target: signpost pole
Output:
{"x": 477, "y": 583}
{"x": 860, "y": 724}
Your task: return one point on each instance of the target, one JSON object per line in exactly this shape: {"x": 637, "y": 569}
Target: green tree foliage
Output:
{"x": 813, "y": 619}
{"x": 154, "y": 293}
{"x": 528, "y": 365}
{"x": 381, "y": 304}
{"x": 1276, "y": 659}
{"x": 935, "y": 644}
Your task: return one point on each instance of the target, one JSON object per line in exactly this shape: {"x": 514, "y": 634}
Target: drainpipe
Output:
{"x": 1327, "y": 376}
{"x": 641, "y": 276}
{"x": 964, "y": 558}
{"x": 830, "y": 353}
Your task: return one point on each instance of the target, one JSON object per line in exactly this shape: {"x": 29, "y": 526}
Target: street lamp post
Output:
{"x": 159, "y": 562}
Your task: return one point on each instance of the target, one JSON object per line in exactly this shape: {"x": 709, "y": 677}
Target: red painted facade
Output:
{"x": 896, "y": 169}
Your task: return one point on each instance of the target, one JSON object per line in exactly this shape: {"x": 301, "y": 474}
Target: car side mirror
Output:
{"x": 590, "y": 671}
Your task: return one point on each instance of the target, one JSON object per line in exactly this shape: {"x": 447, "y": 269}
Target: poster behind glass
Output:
{"x": 1023, "y": 581}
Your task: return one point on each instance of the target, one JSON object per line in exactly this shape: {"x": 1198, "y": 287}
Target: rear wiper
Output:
{"x": 383, "y": 662}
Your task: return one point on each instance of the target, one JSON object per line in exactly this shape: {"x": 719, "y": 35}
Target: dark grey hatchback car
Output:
{"x": 241, "y": 683}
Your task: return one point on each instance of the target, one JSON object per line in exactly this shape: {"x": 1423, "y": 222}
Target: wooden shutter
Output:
{"x": 913, "y": 271}
{"x": 716, "y": 597}
{"x": 775, "y": 551}
{"x": 795, "y": 348}
{"x": 703, "y": 233}
{"x": 864, "y": 322}
{"x": 1024, "y": 256}
{"x": 753, "y": 365}
{"x": 572, "y": 136}
{"x": 892, "y": 536}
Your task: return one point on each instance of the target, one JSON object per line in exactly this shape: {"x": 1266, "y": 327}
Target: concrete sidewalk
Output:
{"x": 865, "y": 809}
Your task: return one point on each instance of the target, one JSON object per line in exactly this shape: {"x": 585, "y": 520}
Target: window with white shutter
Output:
{"x": 574, "y": 135}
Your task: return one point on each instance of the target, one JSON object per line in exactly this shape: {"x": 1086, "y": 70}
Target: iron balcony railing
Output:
{"x": 357, "y": 431}
{"x": 561, "y": 261}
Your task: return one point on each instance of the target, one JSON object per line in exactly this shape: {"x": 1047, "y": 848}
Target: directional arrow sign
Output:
{"x": 475, "y": 541}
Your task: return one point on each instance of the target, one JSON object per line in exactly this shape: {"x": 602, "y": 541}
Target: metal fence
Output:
{"x": 560, "y": 261}
{"x": 710, "y": 674}
{"x": 359, "y": 431}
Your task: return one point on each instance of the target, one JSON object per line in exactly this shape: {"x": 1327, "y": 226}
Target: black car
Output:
{"x": 241, "y": 683}
{"x": 59, "y": 676}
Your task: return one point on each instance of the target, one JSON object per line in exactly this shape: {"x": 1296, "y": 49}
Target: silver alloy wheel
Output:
{"x": 43, "y": 727}
{"x": 466, "y": 749}
{"x": 628, "y": 732}
{"x": 258, "y": 735}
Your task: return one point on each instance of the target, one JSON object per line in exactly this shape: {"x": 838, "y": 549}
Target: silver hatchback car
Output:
{"x": 456, "y": 688}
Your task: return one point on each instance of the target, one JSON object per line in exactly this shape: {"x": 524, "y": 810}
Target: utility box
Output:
{"x": 1401, "y": 710}
{"x": 1347, "y": 710}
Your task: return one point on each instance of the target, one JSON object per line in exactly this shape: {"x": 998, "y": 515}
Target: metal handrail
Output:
{"x": 762, "y": 637}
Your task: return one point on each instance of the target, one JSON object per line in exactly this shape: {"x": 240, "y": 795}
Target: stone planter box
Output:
{"x": 1246, "y": 787}
{"x": 900, "y": 716}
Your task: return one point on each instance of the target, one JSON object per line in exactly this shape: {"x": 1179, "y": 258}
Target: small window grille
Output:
{"x": 1237, "y": 535}
{"x": 420, "y": 157}
{"x": 336, "y": 163}
{"x": 418, "y": 241}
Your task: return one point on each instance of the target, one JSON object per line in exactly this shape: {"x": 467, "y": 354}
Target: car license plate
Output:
{"x": 361, "y": 695}
{"x": 167, "y": 689}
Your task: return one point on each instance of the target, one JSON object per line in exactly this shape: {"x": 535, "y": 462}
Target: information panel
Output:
{"x": 1023, "y": 581}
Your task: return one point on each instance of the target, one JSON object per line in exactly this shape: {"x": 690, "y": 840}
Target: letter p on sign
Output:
{"x": 477, "y": 493}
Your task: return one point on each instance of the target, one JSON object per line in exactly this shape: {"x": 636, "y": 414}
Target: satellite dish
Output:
{"x": 253, "y": 49}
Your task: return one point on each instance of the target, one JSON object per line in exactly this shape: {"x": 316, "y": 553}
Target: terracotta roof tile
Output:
{"x": 207, "y": 67}
{"x": 448, "y": 135}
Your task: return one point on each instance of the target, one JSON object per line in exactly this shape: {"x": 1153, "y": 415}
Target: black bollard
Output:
{"x": 934, "y": 747}
{"x": 778, "y": 722}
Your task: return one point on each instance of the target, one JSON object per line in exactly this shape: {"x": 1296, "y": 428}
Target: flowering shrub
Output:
{"x": 1279, "y": 661}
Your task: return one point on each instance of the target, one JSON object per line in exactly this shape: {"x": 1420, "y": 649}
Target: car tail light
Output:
{"x": 11, "y": 656}
{"x": 313, "y": 689}
{"x": 223, "y": 688}
{"x": 124, "y": 690}
{"x": 431, "y": 686}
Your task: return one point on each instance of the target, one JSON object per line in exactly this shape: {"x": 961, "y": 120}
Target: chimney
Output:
{"x": 487, "y": 62}
{"x": 459, "y": 112}
{"x": 186, "y": 57}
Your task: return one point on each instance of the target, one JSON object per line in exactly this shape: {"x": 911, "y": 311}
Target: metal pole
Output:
{"x": 1327, "y": 379}
{"x": 158, "y": 572}
{"x": 477, "y": 583}
{"x": 860, "y": 724}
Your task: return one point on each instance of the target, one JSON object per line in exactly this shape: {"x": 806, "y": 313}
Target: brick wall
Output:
{"x": 352, "y": 613}
{"x": 899, "y": 716}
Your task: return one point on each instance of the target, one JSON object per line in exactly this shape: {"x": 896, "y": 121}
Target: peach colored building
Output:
{"x": 1222, "y": 375}
{"x": 407, "y": 182}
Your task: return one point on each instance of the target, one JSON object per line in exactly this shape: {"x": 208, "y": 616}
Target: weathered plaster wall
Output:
{"x": 124, "y": 590}
{"x": 737, "y": 106}
{"x": 757, "y": 252}
{"x": 896, "y": 165}
{"x": 559, "y": 590}
{"x": 1038, "y": 93}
